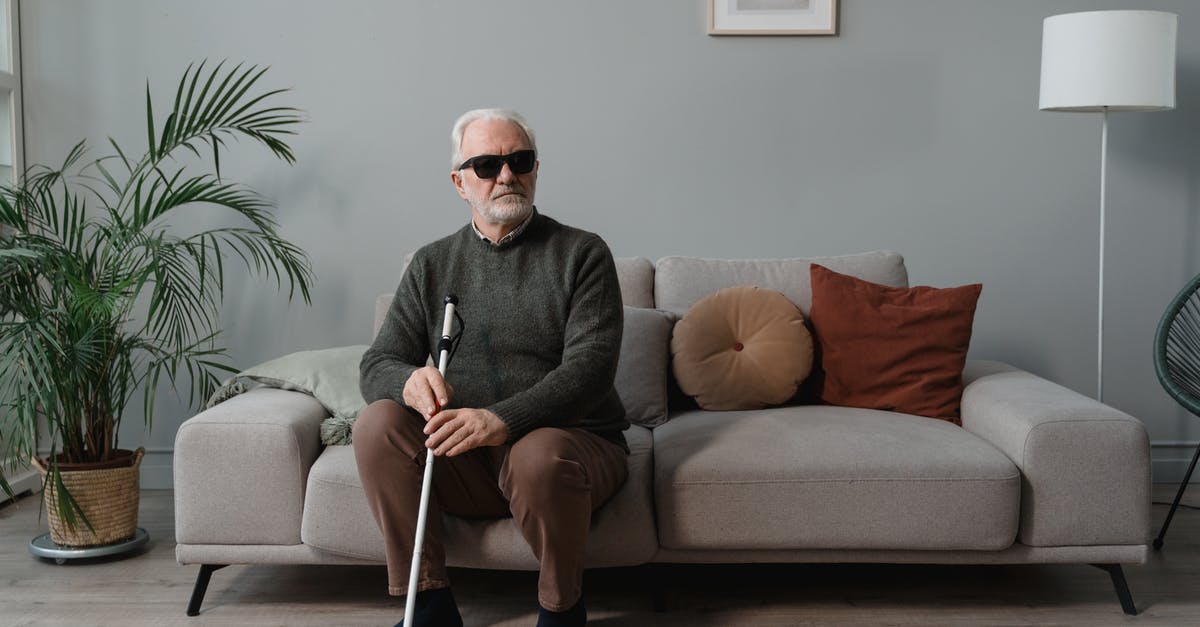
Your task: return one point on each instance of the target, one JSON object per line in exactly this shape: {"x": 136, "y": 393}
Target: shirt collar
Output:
{"x": 512, "y": 235}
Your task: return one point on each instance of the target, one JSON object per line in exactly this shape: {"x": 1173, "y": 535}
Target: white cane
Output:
{"x": 444, "y": 346}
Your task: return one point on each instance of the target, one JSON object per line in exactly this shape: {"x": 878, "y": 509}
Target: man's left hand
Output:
{"x": 455, "y": 431}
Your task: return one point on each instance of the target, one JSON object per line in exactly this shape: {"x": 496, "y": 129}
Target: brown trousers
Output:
{"x": 550, "y": 481}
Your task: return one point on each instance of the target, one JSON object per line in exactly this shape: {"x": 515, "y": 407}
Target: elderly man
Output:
{"x": 531, "y": 424}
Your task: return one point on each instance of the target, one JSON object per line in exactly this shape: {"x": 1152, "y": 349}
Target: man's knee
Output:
{"x": 544, "y": 460}
{"x": 383, "y": 424}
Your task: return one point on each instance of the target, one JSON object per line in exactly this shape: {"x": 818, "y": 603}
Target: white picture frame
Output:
{"x": 772, "y": 17}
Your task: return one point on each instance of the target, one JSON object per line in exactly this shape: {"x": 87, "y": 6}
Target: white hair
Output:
{"x": 460, "y": 125}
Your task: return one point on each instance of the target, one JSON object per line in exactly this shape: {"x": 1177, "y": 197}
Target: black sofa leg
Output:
{"x": 206, "y": 571}
{"x": 1118, "y": 579}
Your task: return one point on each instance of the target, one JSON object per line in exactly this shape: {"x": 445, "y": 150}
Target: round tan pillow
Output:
{"x": 741, "y": 348}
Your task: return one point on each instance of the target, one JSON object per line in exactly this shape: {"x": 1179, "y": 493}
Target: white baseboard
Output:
{"x": 1169, "y": 460}
{"x": 26, "y": 480}
{"x": 158, "y": 469}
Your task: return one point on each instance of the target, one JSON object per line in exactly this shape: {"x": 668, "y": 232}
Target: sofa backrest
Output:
{"x": 681, "y": 281}
{"x": 675, "y": 283}
{"x": 635, "y": 274}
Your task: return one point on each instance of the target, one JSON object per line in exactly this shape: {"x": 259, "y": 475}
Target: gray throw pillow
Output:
{"x": 641, "y": 380}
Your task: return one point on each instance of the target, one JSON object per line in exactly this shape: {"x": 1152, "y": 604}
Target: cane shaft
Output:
{"x": 414, "y": 571}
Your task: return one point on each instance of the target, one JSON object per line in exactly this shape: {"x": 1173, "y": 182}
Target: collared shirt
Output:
{"x": 513, "y": 234}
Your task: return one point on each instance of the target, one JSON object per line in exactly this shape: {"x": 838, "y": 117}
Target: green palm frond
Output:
{"x": 100, "y": 299}
{"x": 223, "y": 105}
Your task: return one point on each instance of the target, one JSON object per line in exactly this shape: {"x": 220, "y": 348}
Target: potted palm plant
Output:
{"x": 102, "y": 297}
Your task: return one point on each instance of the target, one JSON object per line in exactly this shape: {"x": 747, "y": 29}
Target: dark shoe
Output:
{"x": 574, "y": 617}
{"x": 435, "y": 608}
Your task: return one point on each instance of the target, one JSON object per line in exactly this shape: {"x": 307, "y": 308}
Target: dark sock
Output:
{"x": 435, "y": 608}
{"x": 574, "y": 617}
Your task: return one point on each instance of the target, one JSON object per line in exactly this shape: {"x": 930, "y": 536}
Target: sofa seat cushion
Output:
{"x": 338, "y": 520}
{"x": 821, "y": 477}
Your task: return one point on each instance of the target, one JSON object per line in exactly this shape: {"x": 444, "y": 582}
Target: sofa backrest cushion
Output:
{"x": 681, "y": 281}
{"x": 636, "y": 277}
{"x": 382, "y": 302}
{"x": 634, "y": 274}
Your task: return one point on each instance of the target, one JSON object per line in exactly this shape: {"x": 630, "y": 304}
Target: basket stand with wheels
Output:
{"x": 108, "y": 494}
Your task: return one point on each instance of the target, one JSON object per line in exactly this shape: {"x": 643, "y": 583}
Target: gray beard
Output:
{"x": 506, "y": 211}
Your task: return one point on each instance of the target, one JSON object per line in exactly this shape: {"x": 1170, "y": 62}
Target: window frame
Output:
{"x": 24, "y": 478}
{"x": 10, "y": 87}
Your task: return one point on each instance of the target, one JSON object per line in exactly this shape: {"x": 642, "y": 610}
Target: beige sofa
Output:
{"x": 1036, "y": 474}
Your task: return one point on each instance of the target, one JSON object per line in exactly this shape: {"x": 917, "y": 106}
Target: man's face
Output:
{"x": 506, "y": 199}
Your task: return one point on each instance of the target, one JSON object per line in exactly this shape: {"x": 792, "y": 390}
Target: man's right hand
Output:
{"x": 427, "y": 392}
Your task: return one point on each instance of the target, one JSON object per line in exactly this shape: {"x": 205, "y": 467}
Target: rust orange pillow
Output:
{"x": 899, "y": 349}
{"x": 741, "y": 348}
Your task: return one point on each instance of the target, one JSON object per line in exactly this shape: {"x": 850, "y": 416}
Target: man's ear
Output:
{"x": 456, "y": 178}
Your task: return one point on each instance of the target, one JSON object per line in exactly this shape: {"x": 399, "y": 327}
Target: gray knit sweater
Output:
{"x": 543, "y": 328}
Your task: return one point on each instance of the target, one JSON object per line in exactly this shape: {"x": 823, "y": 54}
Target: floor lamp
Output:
{"x": 1101, "y": 61}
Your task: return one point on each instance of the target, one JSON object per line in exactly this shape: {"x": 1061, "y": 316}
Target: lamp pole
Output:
{"x": 1100, "y": 307}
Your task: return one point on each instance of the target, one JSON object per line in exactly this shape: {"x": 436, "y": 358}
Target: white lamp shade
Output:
{"x": 1114, "y": 60}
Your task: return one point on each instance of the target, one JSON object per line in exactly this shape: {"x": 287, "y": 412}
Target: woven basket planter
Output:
{"x": 106, "y": 492}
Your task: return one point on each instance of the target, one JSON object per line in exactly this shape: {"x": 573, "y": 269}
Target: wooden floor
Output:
{"x": 151, "y": 589}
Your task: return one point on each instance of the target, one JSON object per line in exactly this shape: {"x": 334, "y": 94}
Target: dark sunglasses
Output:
{"x": 489, "y": 166}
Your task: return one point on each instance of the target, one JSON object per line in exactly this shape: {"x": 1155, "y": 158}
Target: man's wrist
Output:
{"x": 502, "y": 426}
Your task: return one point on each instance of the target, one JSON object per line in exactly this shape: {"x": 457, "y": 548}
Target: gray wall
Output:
{"x": 915, "y": 129}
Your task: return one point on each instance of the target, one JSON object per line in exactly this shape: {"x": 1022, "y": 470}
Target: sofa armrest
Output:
{"x": 1085, "y": 466}
{"x": 241, "y": 468}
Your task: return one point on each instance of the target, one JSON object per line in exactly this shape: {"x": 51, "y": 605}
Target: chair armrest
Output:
{"x": 241, "y": 468}
{"x": 1085, "y": 466}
